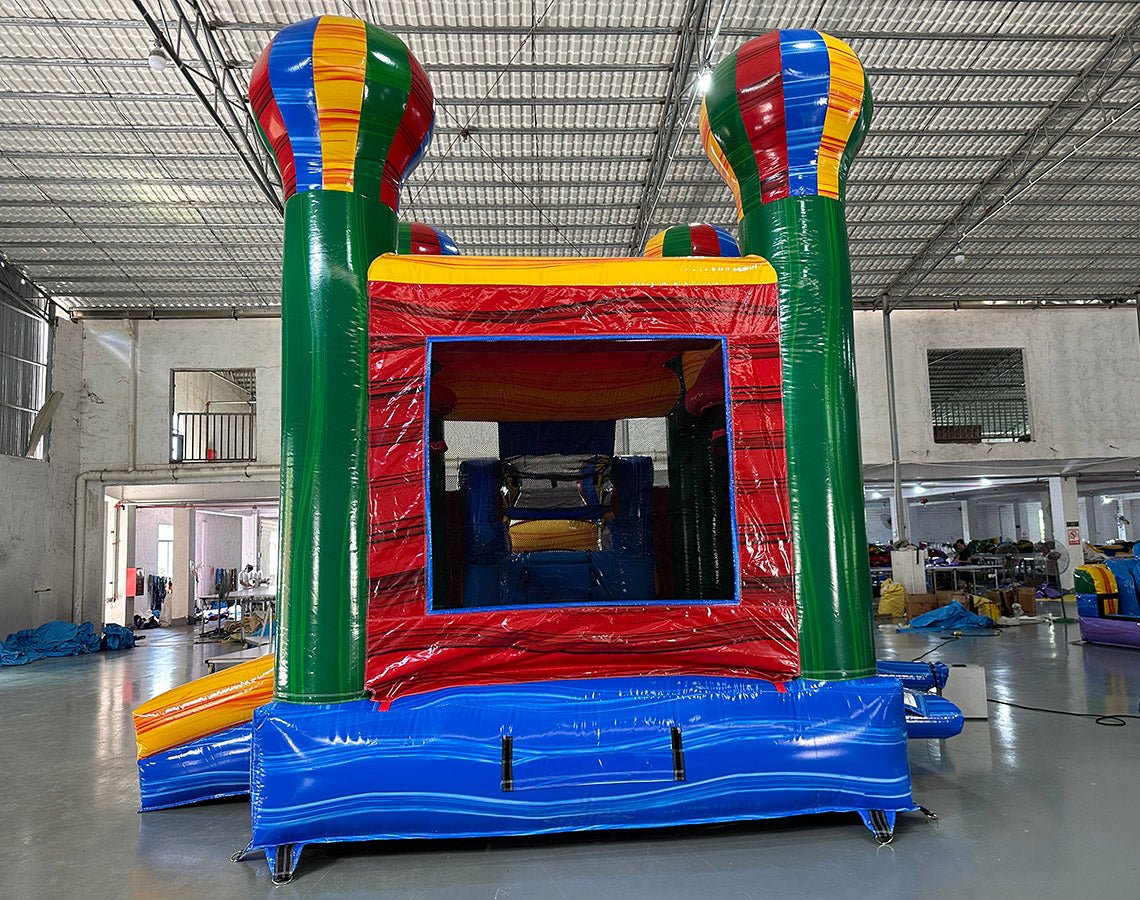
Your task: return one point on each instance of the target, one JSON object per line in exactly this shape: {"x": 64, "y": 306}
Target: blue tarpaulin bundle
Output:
{"x": 54, "y": 639}
{"x": 116, "y": 637}
{"x": 952, "y": 617}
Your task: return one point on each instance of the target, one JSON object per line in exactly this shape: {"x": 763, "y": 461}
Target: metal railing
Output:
{"x": 214, "y": 437}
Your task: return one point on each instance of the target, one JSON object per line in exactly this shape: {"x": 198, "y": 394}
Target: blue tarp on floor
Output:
{"x": 61, "y": 639}
{"x": 952, "y": 617}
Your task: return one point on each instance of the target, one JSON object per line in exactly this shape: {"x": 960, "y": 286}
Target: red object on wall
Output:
{"x": 412, "y": 650}
{"x": 132, "y": 582}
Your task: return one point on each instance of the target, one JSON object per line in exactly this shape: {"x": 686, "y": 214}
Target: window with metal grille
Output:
{"x": 25, "y": 356}
{"x": 214, "y": 415}
{"x": 978, "y": 395}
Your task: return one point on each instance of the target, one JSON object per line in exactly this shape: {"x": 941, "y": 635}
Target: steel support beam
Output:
{"x": 18, "y": 289}
{"x": 183, "y": 30}
{"x": 679, "y": 103}
{"x": 993, "y": 193}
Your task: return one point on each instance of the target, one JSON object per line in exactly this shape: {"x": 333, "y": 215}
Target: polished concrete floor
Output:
{"x": 1031, "y": 804}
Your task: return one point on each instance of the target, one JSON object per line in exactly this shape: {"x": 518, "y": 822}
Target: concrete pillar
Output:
{"x": 181, "y": 602}
{"x": 1097, "y": 513}
{"x": 1066, "y": 518}
{"x": 966, "y": 521}
{"x": 121, "y": 555}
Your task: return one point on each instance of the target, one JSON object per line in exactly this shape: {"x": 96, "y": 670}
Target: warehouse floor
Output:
{"x": 1030, "y": 803}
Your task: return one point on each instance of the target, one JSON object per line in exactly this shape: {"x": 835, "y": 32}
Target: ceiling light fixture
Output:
{"x": 158, "y": 60}
{"x": 704, "y": 80}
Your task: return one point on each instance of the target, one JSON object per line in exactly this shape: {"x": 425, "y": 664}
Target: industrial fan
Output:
{"x": 1057, "y": 561}
{"x": 1009, "y": 558}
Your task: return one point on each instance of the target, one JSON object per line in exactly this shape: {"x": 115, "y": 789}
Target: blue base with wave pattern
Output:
{"x": 205, "y": 769}
{"x": 576, "y": 755}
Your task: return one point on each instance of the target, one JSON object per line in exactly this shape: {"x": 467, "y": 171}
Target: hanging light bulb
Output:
{"x": 158, "y": 60}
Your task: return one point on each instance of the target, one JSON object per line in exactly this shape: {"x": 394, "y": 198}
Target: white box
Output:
{"x": 908, "y": 568}
{"x": 966, "y": 689}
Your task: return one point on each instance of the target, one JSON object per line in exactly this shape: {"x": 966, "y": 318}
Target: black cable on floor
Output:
{"x": 1112, "y": 721}
{"x": 936, "y": 647}
{"x": 954, "y": 637}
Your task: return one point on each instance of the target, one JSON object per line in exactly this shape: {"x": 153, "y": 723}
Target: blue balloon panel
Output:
{"x": 576, "y": 755}
{"x": 205, "y": 769}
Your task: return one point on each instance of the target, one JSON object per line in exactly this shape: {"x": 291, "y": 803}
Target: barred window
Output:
{"x": 25, "y": 356}
{"x": 978, "y": 395}
{"x": 214, "y": 415}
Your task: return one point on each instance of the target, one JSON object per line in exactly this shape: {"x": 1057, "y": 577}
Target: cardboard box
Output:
{"x": 1003, "y": 599}
{"x": 945, "y": 598}
{"x": 1027, "y": 597}
{"x": 917, "y": 604}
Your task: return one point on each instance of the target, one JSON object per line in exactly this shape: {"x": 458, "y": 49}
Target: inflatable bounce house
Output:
{"x": 552, "y": 632}
{"x": 1108, "y": 601}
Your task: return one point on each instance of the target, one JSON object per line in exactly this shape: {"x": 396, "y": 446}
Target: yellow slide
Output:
{"x": 204, "y": 706}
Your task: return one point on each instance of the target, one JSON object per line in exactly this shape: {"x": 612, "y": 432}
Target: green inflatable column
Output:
{"x": 781, "y": 122}
{"x": 347, "y": 112}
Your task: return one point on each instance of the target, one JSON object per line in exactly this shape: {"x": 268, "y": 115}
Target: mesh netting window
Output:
{"x": 978, "y": 395}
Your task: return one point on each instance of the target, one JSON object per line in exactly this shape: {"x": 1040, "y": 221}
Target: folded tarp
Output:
{"x": 117, "y": 637}
{"x": 952, "y": 617}
{"x": 50, "y": 639}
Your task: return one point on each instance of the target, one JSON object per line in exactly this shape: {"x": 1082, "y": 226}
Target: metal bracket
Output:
{"x": 186, "y": 34}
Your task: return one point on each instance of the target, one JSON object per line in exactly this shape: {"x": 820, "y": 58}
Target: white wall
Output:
{"x": 162, "y": 346}
{"x": 935, "y": 522}
{"x": 193, "y": 391}
{"x": 1070, "y": 356}
{"x": 1082, "y": 372}
{"x": 37, "y": 517}
{"x": 219, "y": 541}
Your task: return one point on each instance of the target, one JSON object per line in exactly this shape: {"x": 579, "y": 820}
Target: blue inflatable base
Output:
{"x": 205, "y": 769}
{"x": 580, "y": 755}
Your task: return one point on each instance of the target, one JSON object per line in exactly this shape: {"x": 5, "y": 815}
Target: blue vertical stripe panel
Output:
{"x": 446, "y": 244}
{"x": 421, "y": 150}
{"x": 807, "y": 80}
{"x": 728, "y": 245}
{"x": 291, "y": 77}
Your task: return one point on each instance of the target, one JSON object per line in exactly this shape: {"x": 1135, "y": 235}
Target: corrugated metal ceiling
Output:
{"x": 1005, "y": 131}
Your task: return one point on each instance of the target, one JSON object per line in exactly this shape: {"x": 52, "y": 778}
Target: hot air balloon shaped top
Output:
{"x": 695, "y": 239}
{"x": 344, "y": 106}
{"x": 418, "y": 239}
{"x": 784, "y": 116}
